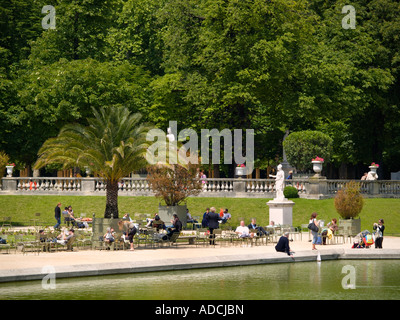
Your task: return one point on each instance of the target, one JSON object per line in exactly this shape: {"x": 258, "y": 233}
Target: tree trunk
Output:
{"x": 111, "y": 200}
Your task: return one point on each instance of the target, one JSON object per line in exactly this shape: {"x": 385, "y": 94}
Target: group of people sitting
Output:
{"x": 63, "y": 238}
{"x": 69, "y": 218}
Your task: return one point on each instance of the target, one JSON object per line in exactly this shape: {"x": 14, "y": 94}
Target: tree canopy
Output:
{"x": 270, "y": 66}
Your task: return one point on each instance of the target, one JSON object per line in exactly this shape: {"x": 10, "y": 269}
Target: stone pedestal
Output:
{"x": 281, "y": 211}
{"x": 88, "y": 185}
{"x": 9, "y": 184}
{"x": 317, "y": 188}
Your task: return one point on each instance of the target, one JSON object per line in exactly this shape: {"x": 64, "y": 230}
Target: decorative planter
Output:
{"x": 240, "y": 171}
{"x": 99, "y": 228}
{"x": 9, "y": 170}
{"x": 166, "y": 213}
{"x": 317, "y": 167}
{"x": 373, "y": 169}
{"x": 351, "y": 226}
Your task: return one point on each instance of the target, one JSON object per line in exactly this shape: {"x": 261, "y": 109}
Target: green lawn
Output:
{"x": 23, "y": 208}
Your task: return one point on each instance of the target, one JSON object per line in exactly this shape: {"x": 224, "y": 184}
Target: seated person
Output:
{"x": 227, "y": 216}
{"x": 42, "y": 236}
{"x": 260, "y": 230}
{"x": 283, "y": 245}
{"x": 150, "y": 220}
{"x": 158, "y": 223}
{"x": 109, "y": 237}
{"x": 242, "y": 231}
{"x": 65, "y": 236}
{"x": 329, "y": 231}
{"x": 176, "y": 227}
{"x": 189, "y": 217}
{"x": 126, "y": 217}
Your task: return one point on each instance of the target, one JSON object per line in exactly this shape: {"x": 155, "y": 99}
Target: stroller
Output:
{"x": 364, "y": 239}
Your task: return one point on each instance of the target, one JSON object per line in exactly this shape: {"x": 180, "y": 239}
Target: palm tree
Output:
{"x": 111, "y": 146}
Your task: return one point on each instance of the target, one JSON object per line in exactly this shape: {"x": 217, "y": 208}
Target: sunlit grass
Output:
{"x": 23, "y": 208}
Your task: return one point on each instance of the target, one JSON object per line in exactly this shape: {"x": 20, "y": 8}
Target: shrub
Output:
{"x": 174, "y": 183}
{"x": 349, "y": 201}
{"x": 290, "y": 192}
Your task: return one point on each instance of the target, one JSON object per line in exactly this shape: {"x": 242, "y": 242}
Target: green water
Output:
{"x": 375, "y": 279}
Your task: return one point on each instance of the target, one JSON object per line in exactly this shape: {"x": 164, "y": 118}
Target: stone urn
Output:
{"x": 240, "y": 171}
{"x": 9, "y": 171}
{"x": 373, "y": 169}
{"x": 88, "y": 171}
{"x": 317, "y": 167}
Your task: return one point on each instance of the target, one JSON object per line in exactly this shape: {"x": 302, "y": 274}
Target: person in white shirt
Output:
{"x": 242, "y": 231}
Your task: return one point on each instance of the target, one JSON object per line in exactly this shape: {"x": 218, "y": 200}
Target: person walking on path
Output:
{"x": 57, "y": 215}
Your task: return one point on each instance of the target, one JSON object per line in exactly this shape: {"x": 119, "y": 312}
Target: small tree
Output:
{"x": 349, "y": 201}
{"x": 174, "y": 183}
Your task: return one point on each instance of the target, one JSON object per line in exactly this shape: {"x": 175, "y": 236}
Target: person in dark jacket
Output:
{"x": 204, "y": 222}
{"x": 57, "y": 215}
{"x": 176, "y": 227}
{"x": 213, "y": 223}
{"x": 380, "y": 228}
{"x": 283, "y": 244}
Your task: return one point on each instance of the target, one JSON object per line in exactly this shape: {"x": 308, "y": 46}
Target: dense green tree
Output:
{"x": 66, "y": 91}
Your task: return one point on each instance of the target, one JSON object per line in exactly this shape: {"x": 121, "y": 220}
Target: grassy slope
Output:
{"x": 23, "y": 208}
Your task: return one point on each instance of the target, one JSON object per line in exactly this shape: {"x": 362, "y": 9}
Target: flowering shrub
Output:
{"x": 373, "y": 164}
{"x": 241, "y": 165}
{"x": 318, "y": 159}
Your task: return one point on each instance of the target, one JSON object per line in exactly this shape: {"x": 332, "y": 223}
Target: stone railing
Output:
{"x": 212, "y": 187}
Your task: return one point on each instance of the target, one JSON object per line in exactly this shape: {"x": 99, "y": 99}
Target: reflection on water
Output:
{"x": 307, "y": 280}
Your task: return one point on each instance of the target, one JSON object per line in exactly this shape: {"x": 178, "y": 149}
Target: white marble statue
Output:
{"x": 279, "y": 182}
{"x": 372, "y": 175}
{"x": 170, "y": 135}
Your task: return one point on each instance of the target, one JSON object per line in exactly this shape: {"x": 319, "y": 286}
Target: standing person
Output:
{"x": 314, "y": 233}
{"x": 213, "y": 224}
{"x": 379, "y": 227}
{"x": 204, "y": 222}
{"x": 57, "y": 215}
{"x": 71, "y": 216}
{"x": 131, "y": 233}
